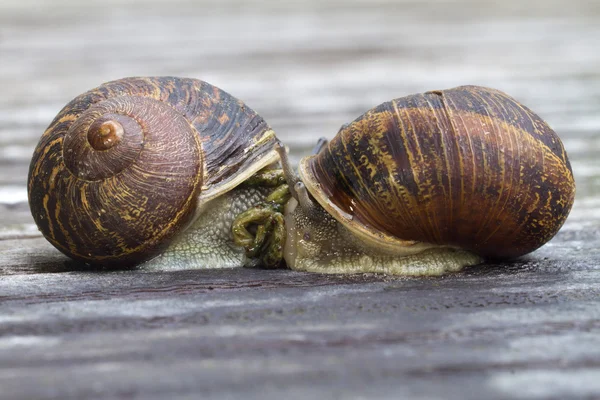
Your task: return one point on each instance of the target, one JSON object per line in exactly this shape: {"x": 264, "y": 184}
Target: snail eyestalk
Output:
{"x": 308, "y": 206}
{"x": 288, "y": 171}
{"x": 297, "y": 188}
{"x": 261, "y": 230}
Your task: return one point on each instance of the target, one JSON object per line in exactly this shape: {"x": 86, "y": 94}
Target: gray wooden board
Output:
{"x": 525, "y": 329}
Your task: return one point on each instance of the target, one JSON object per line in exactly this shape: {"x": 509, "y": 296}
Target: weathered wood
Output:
{"x": 526, "y": 329}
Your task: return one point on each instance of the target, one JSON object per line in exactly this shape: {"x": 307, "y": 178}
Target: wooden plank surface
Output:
{"x": 526, "y": 329}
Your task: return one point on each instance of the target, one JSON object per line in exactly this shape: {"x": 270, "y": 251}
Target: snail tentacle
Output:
{"x": 288, "y": 171}
{"x": 309, "y": 207}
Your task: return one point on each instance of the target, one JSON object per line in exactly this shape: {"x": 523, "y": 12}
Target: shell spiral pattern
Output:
{"x": 467, "y": 167}
{"x": 122, "y": 166}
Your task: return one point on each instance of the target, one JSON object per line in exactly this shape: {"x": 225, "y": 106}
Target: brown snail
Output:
{"x": 426, "y": 184}
{"x": 126, "y": 168}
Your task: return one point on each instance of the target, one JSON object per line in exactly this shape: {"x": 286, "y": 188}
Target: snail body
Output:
{"x": 430, "y": 183}
{"x": 124, "y": 168}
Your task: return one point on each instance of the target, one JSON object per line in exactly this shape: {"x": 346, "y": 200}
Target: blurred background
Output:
{"x": 306, "y": 66}
{"x": 522, "y": 330}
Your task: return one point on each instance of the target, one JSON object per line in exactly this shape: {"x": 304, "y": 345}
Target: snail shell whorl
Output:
{"x": 119, "y": 171}
{"x": 467, "y": 167}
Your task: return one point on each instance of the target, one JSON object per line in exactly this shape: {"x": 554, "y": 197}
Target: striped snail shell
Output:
{"x": 123, "y": 167}
{"x": 468, "y": 167}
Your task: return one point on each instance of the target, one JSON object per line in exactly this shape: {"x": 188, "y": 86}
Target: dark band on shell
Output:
{"x": 467, "y": 167}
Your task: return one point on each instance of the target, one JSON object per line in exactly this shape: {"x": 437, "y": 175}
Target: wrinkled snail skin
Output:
{"x": 466, "y": 168}
{"x": 325, "y": 245}
{"x": 207, "y": 242}
{"x": 123, "y": 168}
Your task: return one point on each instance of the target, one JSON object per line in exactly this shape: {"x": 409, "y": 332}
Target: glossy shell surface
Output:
{"x": 102, "y": 194}
{"x": 467, "y": 167}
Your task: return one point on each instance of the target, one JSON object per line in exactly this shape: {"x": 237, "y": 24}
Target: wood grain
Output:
{"x": 526, "y": 329}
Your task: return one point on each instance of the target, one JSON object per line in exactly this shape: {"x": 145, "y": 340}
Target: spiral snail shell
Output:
{"x": 430, "y": 183}
{"x": 123, "y": 168}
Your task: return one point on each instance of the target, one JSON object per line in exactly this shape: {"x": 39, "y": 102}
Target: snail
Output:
{"x": 422, "y": 185}
{"x": 148, "y": 166}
